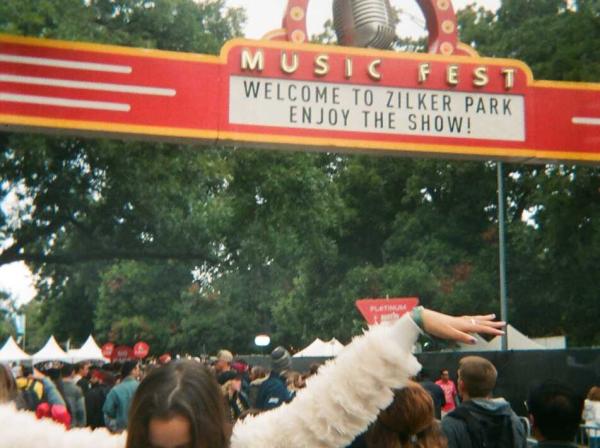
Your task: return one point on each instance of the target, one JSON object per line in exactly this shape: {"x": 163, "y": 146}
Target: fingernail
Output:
{"x": 473, "y": 341}
{"x": 493, "y": 315}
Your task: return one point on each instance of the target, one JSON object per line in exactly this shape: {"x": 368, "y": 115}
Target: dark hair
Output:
{"x": 127, "y": 368}
{"x": 67, "y": 370}
{"x": 409, "y": 421}
{"x": 478, "y": 376}
{"x": 556, "y": 410}
{"x": 8, "y": 387}
{"x": 182, "y": 388}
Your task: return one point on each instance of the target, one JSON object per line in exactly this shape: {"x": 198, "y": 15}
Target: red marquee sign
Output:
{"x": 376, "y": 311}
{"x": 284, "y": 93}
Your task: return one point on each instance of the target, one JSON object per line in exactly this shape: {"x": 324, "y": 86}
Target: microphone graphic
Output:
{"x": 364, "y": 23}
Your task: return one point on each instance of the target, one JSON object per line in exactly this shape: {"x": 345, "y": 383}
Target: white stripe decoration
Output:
{"x": 64, "y": 102}
{"x": 586, "y": 120}
{"x": 65, "y": 63}
{"x": 69, "y": 84}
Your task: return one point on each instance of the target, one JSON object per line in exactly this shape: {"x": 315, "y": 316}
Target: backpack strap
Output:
{"x": 474, "y": 428}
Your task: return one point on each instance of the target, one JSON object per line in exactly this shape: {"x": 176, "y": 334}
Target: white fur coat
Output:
{"x": 337, "y": 404}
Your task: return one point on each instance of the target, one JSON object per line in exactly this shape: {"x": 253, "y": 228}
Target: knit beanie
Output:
{"x": 280, "y": 360}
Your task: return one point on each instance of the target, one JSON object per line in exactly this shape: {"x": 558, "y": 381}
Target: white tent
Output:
{"x": 516, "y": 341}
{"x": 89, "y": 351}
{"x": 50, "y": 352}
{"x": 319, "y": 348}
{"x": 11, "y": 352}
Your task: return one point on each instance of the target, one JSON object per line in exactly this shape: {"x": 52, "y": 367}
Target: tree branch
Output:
{"x": 104, "y": 255}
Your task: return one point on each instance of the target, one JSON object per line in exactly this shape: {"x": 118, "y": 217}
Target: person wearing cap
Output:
{"x": 274, "y": 392}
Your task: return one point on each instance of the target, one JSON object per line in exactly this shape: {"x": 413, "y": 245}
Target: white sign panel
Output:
{"x": 383, "y": 110}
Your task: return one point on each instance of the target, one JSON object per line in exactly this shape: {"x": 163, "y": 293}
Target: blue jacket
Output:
{"x": 273, "y": 392}
{"x": 117, "y": 404}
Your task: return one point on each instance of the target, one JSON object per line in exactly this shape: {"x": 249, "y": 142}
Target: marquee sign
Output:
{"x": 281, "y": 94}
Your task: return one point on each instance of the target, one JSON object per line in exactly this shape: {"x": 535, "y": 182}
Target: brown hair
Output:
{"x": 408, "y": 422}
{"x": 186, "y": 389}
{"x": 478, "y": 376}
{"x": 8, "y": 387}
{"x": 594, "y": 394}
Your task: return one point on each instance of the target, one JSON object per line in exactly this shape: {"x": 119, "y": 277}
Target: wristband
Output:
{"x": 417, "y": 316}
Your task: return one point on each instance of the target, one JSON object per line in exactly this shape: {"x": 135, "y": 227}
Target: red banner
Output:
{"x": 122, "y": 353}
{"x": 277, "y": 94}
{"x": 376, "y": 311}
{"x": 141, "y": 350}
{"x": 108, "y": 349}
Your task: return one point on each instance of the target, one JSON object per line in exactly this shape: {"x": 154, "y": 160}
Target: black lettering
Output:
{"x": 412, "y": 122}
{"x": 390, "y": 97}
{"x": 506, "y": 106}
{"x": 455, "y": 124}
{"x": 251, "y": 88}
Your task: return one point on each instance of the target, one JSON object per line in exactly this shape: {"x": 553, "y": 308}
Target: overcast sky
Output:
{"x": 266, "y": 15}
{"x": 263, "y": 16}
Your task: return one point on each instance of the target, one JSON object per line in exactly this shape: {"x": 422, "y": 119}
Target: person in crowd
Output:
{"x": 101, "y": 382}
{"x": 591, "y": 415}
{"x": 450, "y": 392}
{"x": 82, "y": 376}
{"x": 409, "y": 422}
{"x": 436, "y": 392}
{"x": 223, "y": 363}
{"x": 187, "y": 410}
{"x": 54, "y": 407}
{"x": 236, "y": 399}
{"x": 480, "y": 420}
{"x": 118, "y": 401}
{"x": 258, "y": 375}
{"x": 555, "y": 413}
{"x": 32, "y": 389}
{"x": 9, "y": 393}
{"x": 294, "y": 381}
{"x": 73, "y": 396}
{"x": 273, "y": 392}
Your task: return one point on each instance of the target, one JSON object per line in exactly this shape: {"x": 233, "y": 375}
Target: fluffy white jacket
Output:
{"x": 337, "y": 404}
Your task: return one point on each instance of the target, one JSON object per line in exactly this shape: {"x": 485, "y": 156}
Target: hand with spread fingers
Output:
{"x": 460, "y": 329}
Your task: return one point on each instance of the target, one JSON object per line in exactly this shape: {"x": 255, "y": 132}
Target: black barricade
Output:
{"x": 517, "y": 370}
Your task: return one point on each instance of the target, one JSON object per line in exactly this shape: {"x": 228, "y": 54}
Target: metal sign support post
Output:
{"x": 502, "y": 252}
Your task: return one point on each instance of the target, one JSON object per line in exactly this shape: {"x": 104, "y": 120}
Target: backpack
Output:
{"x": 491, "y": 431}
{"x": 30, "y": 397}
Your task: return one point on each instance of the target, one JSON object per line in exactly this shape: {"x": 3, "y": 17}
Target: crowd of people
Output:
{"x": 371, "y": 395}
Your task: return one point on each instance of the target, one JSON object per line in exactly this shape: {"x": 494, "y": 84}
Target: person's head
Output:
{"x": 408, "y": 421}
{"x": 8, "y": 387}
{"x": 83, "y": 369}
{"x": 294, "y": 380}
{"x": 594, "y": 394}
{"x": 257, "y": 372}
{"x": 444, "y": 375}
{"x": 178, "y": 405}
{"x": 67, "y": 371}
{"x": 281, "y": 361}
{"x": 130, "y": 368}
{"x": 555, "y": 411}
{"x": 224, "y": 359}
{"x": 476, "y": 377}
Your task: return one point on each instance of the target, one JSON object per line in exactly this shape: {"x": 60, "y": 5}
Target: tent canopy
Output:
{"x": 319, "y": 348}
{"x": 11, "y": 352}
{"x": 516, "y": 341}
{"x": 89, "y": 351}
{"x": 50, "y": 352}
